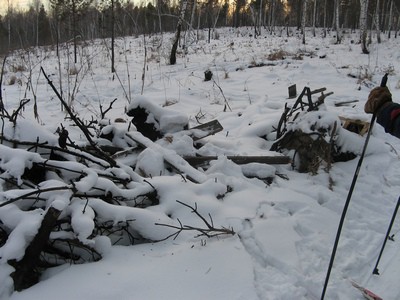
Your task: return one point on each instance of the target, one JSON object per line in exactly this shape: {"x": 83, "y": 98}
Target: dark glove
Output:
{"x": 376, "y": 99}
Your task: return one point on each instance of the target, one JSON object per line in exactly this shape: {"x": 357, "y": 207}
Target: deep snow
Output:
{"x": 285, "y": 231}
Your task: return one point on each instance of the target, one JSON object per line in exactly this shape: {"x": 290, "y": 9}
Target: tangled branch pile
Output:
{"x": 67, "y": 202}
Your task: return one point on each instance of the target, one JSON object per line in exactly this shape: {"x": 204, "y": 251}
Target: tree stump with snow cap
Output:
{"x": 154, "y": 121}
{"x": 143, "y": 125}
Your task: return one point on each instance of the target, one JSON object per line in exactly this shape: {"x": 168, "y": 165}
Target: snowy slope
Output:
{"x": 284, "y": 231}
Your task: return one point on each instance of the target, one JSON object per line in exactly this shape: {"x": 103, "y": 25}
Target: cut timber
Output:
{"x": 206, "y": 129}
{"x": 356, "y": 126}
{"x": 292, "y": 90}
{"x": 345, "y": 103}
{"x": 196, "y": 161}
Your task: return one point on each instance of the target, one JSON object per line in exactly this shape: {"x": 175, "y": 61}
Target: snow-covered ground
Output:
{"x": 285, "y": 230}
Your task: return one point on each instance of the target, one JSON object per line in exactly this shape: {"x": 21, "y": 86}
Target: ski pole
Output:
{"x": 346, "y": 205}
{"x": 376, "y": 271}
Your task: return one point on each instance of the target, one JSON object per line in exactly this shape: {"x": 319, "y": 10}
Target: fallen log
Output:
{"x": 26, "y": 273}
{"x": 197, "y": 161}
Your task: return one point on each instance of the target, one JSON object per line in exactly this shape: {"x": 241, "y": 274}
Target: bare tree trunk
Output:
{"x": 9, "y": 11}
{"x": 112, "y": 36}
{"x": 272, "y": 16}
{"x": 254, "y": 18}
{"x": 159, "y": 14}
{"x": 217, "y": 17}
{"x": 260, "y": 17}
{"x": 172, "y": 58}
{"x": 198, "y": 23}
{"x": 37, "y": 6}
{"x": 377, "y": 22}
{"x": 337, "y": 22}
{"x": 74, "y": 30}
{"x": 192, "y": 16}
{"x": 363, "y": 25}
{"x": 314, "y": 16}
{"x": 303, "y": 20}
{"x": 390, "y": 19}
{"x": 325, "y": 18}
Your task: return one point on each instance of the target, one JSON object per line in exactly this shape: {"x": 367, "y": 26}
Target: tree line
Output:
{"x": 76, "y": 20}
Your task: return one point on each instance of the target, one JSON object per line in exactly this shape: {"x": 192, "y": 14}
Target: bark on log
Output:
{"x": 26, "y": 273}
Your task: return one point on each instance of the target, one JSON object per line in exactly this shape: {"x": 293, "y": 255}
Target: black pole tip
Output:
{"x": 384, "y": 80}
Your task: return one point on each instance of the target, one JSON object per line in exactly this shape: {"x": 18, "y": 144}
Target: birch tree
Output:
{"x": 172, "y": 58}
{"x": 337, "y": 21}
{"x": 363, "y": 25}
{"x": 303, "y": 20}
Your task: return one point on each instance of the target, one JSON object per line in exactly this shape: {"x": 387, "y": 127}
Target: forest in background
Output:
{"x": 80, "y": 20}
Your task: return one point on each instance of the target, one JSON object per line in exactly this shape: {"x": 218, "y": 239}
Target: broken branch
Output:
{"x": 210, "y": 231}
{"x": 79, "y": 123}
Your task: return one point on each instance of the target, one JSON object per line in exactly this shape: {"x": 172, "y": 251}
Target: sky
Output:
{"x": 16, "y": 4}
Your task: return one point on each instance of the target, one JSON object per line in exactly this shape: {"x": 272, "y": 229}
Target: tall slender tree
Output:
{"x": 337, "y": 21}
{"x": 314, "y": 17}
{"x": 303, "y": 20}
{"x": 363, "y": 25}
{"x": 325, "y": 8}
{"x": 112, "y": 37}
{"x": 390, "y": 21}
{"x": 377, "y": 21}
{"x": 71, "y": 10}
{"x": 172, "y": 58}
